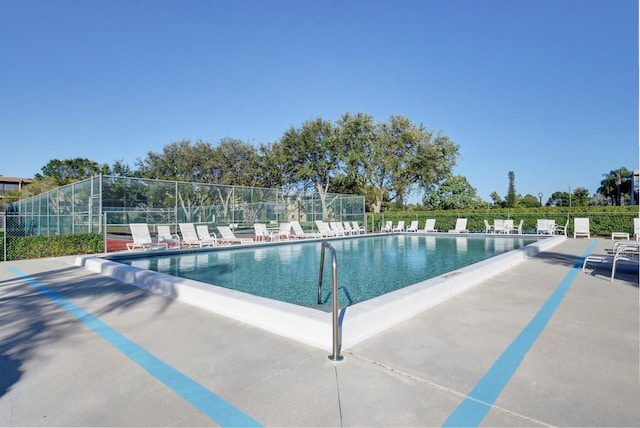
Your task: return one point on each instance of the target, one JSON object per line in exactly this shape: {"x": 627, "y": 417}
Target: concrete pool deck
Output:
{"x": 81, "y": 349}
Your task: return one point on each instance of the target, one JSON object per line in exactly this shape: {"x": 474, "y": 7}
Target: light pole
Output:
{"x": 540, "y": 195}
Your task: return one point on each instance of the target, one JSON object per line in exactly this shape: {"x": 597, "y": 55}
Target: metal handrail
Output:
{"x": 337, "y": 331}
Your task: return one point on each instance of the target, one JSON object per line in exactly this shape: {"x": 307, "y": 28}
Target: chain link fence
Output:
{"x": 104, "y": 206}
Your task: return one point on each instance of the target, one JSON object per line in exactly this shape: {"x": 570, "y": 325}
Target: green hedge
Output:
{"x": 33, "y": 247}
{"x": 602, "y": 220}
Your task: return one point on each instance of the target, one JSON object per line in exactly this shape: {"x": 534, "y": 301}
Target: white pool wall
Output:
{"x": 310, "y": 326}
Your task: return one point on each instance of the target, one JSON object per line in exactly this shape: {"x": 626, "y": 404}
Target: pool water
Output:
{"x": 367, "y": 267}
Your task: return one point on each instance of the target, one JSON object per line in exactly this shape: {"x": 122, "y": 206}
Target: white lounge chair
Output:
{"x": 545, "y": 227}
{"x": 488, "y": 228}
{"x": 636, "y": 228}
{"x": 298, "y": 232}
{"x": 461, "y": 226}
{"x": 324, "y": 229}
{"x": 228, "y": 237}
{"x": 507, "y": 226}
{"x": 347, "y": 228}
{"x": 399, "y": 227}
{"x": 337, "y": 228}
{"x": 142, "y": 238}
{"x": 284, "y": 232}
{"x": 356, "y": 227}
{"x": 387, "y": 227}
{"x": 165, "y": 236}
{"x": 430, "y": 225}
{"x": 205, "y": 236}
{"x": 623, "y": 253}
{"x": 498, "y": 226}
{"x": 517, "y": 229}
{"x": 413, "y": 227}
{"x": 190, "y": 237}
{"x": 561, "y": 230}
{"x": 581, "y": 227}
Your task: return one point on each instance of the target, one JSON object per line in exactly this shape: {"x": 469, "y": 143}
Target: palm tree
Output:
{"x": 616, "y": 184}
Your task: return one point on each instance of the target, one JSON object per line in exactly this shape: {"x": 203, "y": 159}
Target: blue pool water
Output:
{"x": 367, "y": 267}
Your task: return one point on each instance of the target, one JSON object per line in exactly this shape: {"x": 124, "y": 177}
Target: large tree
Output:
{"x": 616, "y": 185}
{"x": 511, "y": 193}
{"x": 310, "y": 156}
{"x": 67, "y": 171}
{"x": 455, "y": 192}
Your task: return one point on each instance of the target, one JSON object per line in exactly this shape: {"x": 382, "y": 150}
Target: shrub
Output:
{"x": 33, "y": 247}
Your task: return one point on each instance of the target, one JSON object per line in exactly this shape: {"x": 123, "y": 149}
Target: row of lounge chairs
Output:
{"x": 200, "y": 236}
{"x": 622, "y": 251}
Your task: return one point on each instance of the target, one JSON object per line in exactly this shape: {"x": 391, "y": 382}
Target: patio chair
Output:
{"x": 545, "y": 227}
{"x": 337, "y": 228}
{"x": 399, "y": 227}
{"x": 636, "y": 228}
{"x": 142, "y": 238}
{"x": 228, "y": 237}
{"x": 165, "y": 235}
{"x": 581, "y": 227}
{"x": 413, "y": 227}
{"x": 517, "y": 229}
{"x": 387, "y": 227}
{"x": 508, "y": 226}
{"x": 347, "y": 228}
{"x": 623, "y": 253}
{"x": 190, "y": 237}
{"x": 488, "y": 227}
{"x": 561, "y": 230}
{"x": 461, "y": 226}
{"x": 298, "y": 232}
{"x": 430, "y": 225}
{"x": 324, "y": 229}
{"x": 357, "y": 228}
{"x": 205, "y": 236}
{"x": 498, "y": 226}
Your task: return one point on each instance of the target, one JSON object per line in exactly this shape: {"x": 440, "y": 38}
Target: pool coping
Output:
{"x": 311, "y": 326}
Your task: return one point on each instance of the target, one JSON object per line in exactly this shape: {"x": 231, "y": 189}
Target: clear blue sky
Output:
{"x": 547, "y": 89}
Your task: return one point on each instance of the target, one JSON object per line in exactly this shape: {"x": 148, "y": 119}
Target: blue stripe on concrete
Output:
{"x": 475, "y": 407}
{"x": 204, "y": 400}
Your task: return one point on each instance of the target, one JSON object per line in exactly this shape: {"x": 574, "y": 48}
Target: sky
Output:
{"x": 547, "y": 89}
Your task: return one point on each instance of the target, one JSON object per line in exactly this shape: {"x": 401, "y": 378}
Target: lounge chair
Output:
{"x": 356, "y": 227}
{"x": 190, "y": 237}
{"x": 324, "y": 229}
{"x": 517, "y": 229}
{"x": 205, "y": 236}
{"x": 284, "y": 232}
{"x": 430, "y": 225}
{"x": 561, "y": 230}
{"x": 399, "y": 227}
{"x": 636, "y": 228}
{"x": 142, "y": 238}
{"x": 337, "y": 228}
{"x": 545, "y": 227}
{"x": 298, "y": 232}
{"x": 508, "y": 226}
{"x": 165, "y": 236}
{"x": 488, "y": 228}
{"x": 623, "y": 253}
{"x": 347, "y": 228}
{"x": 461, "y": 226}
{"x": 498, "y": 226}
{"x": 413, "y": 227}
{"x": 228, "y": 237}
{"x": 387, "y": 227}
{"x": 581, "y": 227}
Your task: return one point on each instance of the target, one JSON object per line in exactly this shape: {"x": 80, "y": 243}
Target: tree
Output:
{"x": 580, "y": 197}
{"x": 454, "y": 192}
{"x": 616, "y": 185}
{"x": 529, "y": 201}
{"x": 310, "y": 156}
{"x": 558, "y": 199}
{"x": 511, "y": 193}
{"x": 67, "y": 171}
{"x": 497, "y": 200}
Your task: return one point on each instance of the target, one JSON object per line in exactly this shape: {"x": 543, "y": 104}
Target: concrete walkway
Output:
{"x": 543, "y": 344}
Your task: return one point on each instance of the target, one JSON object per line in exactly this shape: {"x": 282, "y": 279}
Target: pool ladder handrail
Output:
{"x": 337, "y": 329}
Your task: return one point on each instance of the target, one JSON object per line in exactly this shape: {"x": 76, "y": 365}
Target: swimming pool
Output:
{"x": 367, "y": 267}
{"x": 309, "y": 325}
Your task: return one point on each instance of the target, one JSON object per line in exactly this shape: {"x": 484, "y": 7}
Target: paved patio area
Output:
{"x": 543, "y": 344}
